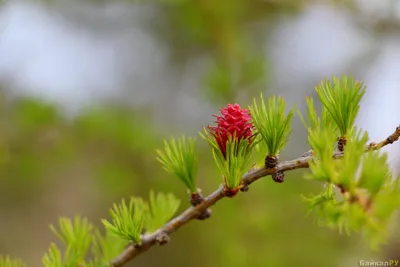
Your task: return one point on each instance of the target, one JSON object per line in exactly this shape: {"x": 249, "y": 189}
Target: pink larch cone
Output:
{"x": 233, "y": 121}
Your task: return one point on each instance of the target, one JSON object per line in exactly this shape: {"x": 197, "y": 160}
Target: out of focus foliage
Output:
{"x": 226, "y": 33}
{"x": 8, "y": 262}
{"x": 36, "y": 139}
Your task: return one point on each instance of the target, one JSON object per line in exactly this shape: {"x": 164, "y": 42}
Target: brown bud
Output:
{"x": 342, "y": 143}
{"x": 196, "y": 198}
{"x": 205, "y": 215}
{"x": 390, "y": 139}
{"x": 271, "y": 161}
{"x": 162, "y": 238}
{"x": 278, "y": 177}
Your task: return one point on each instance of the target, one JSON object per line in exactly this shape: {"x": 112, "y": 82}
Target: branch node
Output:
{"x": 196, "y": 198}
{"x": 162, "y": 238}
{"x": 309, "y": 153}
{"x": 371, "y": 145}
{"x": 245, "y": 188}
{"x": 391, "y": 139}
{"x": 229, "y": 192}
{"x": 271, "y": 162}
{"x": 205, "y": 215}
{"x": 136, "y": 245}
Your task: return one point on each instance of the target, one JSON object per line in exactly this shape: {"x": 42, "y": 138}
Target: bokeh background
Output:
{"x": 89, "y": 90}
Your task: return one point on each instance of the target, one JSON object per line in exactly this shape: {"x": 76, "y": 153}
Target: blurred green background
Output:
{"x": 59, "y": 160}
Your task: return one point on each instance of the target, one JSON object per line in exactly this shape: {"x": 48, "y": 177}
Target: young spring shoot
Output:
{"x": 180, "y": 158}
{"x": 127, "y": 220}
{"x": 341, "y": 98}
{"x": 272, "y": 123}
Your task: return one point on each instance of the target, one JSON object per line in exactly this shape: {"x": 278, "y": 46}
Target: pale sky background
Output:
{"x": 77, "y": 55}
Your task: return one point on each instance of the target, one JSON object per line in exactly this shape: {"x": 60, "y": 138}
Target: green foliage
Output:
{"x": 259, "y": 150}
{"x": 361, "y": 176}
{"x": 342, "y": 100}
{"x": 6, "y": 261}
{"x": 322, "y": 143}
{"x": 162, "y": 208}
{"x": 30, "y": 143}
{"x": 387, "y": 200}
{"x": 337, "y": 171}
{"x": 105, "y": 248}
{"x": 315, "y": 121}
{"x": 30, "y": 114}
{"x": 130, "y": 220}
{"x": 326, "y": 196}
{"x": 224, "y": 80}
{"x": 236, "y": 162}
{"x": 348, "y": 166}
{"x": 271, "y": 122}
{"x": 120, "y": 126}
{"x": 375, "y": 172}
{"x": 53, "y": 257}
{"x": 180, "y": 158}
{"x": 76, "y": 236}
{"x": 322, "y": 136}
{"x": 127, "y": 220}
{"x": 370, "y": 197}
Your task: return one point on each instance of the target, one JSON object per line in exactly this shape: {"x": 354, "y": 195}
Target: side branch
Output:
{"x": 192, "y": 213}
{"x": 389, "y": 140}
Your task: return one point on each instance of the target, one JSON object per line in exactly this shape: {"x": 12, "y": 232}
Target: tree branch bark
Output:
{"x": 192, "y": 213}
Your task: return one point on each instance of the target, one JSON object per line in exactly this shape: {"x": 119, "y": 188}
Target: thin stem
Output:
{"x": 194, "y": 212}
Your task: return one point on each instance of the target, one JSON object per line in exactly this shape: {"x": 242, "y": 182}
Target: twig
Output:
{"x": 389, "y": 140}
{"x": 195, "y": 211}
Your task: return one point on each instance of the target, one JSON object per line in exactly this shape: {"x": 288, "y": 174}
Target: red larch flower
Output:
{"x": 233, "y": 121}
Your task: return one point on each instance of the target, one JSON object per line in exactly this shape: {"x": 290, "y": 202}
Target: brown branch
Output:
{"x": 195, "y": 211}
{"x": 389, "y": 140}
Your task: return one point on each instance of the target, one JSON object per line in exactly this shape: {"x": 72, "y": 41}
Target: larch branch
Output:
{"x": 193, "y": 212}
